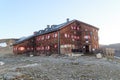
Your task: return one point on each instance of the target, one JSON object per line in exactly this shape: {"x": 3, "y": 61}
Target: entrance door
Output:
{"x": 87, "y": 48}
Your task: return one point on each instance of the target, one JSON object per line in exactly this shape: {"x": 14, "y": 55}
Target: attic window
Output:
{"x": 73, "y": 27}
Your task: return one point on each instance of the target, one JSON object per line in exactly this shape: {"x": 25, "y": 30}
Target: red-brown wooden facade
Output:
{"x": 73, "y": 36}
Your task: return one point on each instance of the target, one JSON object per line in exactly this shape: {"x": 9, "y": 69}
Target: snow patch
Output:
{"x": 31, "y": 65}
{"x": 3, "y": 44}
{"x": 1, "y": 63}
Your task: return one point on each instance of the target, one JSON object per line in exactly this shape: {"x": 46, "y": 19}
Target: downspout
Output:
{"x": 58, "y": 42}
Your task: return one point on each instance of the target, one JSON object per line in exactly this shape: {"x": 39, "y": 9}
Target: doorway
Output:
{"x": 87, "y": 49}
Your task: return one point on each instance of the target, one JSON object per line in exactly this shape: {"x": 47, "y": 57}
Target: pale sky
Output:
{"x": 20, "y": 18}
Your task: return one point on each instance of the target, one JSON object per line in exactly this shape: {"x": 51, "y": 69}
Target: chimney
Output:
{"x": 35, "y": 33}
{"x": 48, "y": 26}
{"x": 67, "y": 19}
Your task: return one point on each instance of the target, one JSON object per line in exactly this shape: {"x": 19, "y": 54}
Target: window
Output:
{"x": 38, "y": 48}
{"x": 68, "y": 35}
{"x": 96, "y": 30}
{"x": 42, "y": 48}
{"x": 75, "y": 37}
{"x": 48, "y": 37}
{"x": 42, "y": 38}
{"x": 95, "y": 37}
{"x": 65, "y": 35}
{"x": 15, "y": 49}
{"x": 28, "y": 48}
{"x": 31, "y": 48}
{"x": 78, "y": 28}
{"x": 86, "y": 30}
{"x": 74, "y": 28}
{"x": 55, "y": 46}
{"x": 72, "y": 36}
{"x": 71, "y": 27}
{"x": 55, "y": 34}
{"x": 87, "y": 37}
{"x": 91, "y": 33}
{"x": 47, "y": 47}
{"x": 21, "y": 48}
{"x": 78, "y": 37}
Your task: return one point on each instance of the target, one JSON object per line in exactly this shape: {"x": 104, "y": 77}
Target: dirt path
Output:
{"x": 59, "y": 68}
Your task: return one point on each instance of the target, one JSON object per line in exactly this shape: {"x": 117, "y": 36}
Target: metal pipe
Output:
{"x": 58, "y": 42}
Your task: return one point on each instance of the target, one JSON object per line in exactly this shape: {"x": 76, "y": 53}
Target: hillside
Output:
{"x": 6, "y": 46}
{"x": 116, "y": 46}
{"x": 8, "y": 41}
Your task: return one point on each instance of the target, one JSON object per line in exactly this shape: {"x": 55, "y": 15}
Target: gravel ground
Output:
{"x": 58, "y": 68}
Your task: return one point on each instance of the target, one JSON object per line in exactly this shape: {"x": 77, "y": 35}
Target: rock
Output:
{"x": 99, "y": 55}
{"x": 2, "y": 63}
{"x": 1, "y": 78}
{"x": 12, "y": 75}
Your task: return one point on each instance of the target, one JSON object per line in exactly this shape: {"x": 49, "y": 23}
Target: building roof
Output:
{"x": 53, "y": 28}
{"x": 49, "y": 29}
{"x": 23, "y": 39}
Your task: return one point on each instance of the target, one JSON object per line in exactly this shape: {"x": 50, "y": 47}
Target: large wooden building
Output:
{"x": 68, "y": 37}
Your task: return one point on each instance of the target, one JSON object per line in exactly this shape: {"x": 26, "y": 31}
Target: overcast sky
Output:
{"x": 20, "y": 18}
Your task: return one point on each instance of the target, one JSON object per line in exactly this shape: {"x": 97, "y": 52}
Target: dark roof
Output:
{"x": 50, "y": 29}
{"x": 23, "y": 39}
{"x": 53, "y": 28}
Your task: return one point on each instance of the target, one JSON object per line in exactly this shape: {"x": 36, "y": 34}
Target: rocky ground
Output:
{"x": 58, "y": 68}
